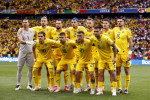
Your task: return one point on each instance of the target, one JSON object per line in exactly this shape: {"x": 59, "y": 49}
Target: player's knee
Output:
{"x": 35, "y": 70}
{"x": 58, "y": 71}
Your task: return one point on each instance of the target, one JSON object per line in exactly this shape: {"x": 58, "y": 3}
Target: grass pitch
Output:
{"x": 139, "y": 86}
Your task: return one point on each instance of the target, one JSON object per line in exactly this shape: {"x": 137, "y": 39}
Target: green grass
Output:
{"x": 138, "y": 90}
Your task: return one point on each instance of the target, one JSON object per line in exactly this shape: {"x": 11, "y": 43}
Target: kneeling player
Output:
{"x": 43, "y": 46}
{"x": 86, "y": 60}
{"x": 68, "y": 58}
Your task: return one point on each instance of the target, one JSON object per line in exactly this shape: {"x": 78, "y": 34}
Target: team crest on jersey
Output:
{"x": 108, "y": 33}
{"x": 84, "y": 44}
{"x": 45, "y": 45}
{"x": 47, "y": 30}
{"x": 101, "y": 42}
{"x": 122, "y": 31}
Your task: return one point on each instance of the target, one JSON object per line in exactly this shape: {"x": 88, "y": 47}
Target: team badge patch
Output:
{"x": 122, "y": 31}
{"x": 47, "y": 30}
{"x": 101, "y": 42}
{"x": 108, "y": 33}
{"x": 84, "y": 44}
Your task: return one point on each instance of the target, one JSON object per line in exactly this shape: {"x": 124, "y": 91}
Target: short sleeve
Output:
{"x": 129, "y": 34}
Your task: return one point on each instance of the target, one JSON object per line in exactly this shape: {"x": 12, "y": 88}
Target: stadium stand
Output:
{"x": 140, "y": 28}
{"x": 72, "y": 4}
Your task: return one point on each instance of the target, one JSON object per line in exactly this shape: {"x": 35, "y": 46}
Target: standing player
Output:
{"x": 109, "y": 33}
{"x": 43, "y": 47}
{"x": 72, "y": 34}
{"x": 47, "y": 30}
{"x": 123, "y": 40}
{"x": 104, "y": 46}
{"x": 25, "y": 36}
{"x": 68, "y": 58}
{"x": 57, "y": 52}
{"x": 86, "y": 60}
{"x": 89, "y": 33}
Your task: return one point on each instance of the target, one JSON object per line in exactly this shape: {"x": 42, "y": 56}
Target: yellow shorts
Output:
{"x": 122, "y": 59}
{"x": 77, "y": 53}
{"x": 48, "y": 63}
{"x": 108, "y": 65}
{"x": 64, "y": 63}
{"x": 89, "y": 65}
{"x": 57, "y": 59}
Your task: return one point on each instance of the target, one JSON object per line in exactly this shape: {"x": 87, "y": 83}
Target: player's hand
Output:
{"x": 77, "y": 40}
{"x": 30, "y": 42}
{"x": 114, "y": 60}
{"x": 129, "y": 57}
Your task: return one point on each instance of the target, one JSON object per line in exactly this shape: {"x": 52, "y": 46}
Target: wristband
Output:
{"x": 130, "y": 52}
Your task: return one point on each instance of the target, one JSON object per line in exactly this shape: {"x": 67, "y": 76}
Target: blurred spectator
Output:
{"x": 72, "y": 4}
{"x": 140, "y": 28}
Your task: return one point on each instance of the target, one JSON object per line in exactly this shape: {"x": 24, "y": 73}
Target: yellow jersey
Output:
{"x": 73, "y": 32}
{"x": 94, "y": 49}
{"x": 121, "y": 40}
{"x": 44, "y": 50}
{"x": 103, "y": 46}
{"x": 89, "y": 34}
{"x": 85, "y": 50}
{"x": 109, "y": 34}
{"x": 47, "y": 31}
{"x": 55, "y": 36}
{"x": 66, "y": 49}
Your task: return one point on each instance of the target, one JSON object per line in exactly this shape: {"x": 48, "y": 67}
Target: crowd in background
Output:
{"x": 72, "y": 4}
{"x": 140, "y": 28}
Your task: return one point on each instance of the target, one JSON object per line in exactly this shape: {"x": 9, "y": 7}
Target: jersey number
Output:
{"x": 64, "y": 51}
{"x": 118, "y": 36}
{"x": 75, "y": 34}
{"x": 43, "y": 50}
{"x": 81, "y": 50}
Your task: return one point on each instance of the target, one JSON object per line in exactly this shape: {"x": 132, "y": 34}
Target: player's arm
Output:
{"x": 20, "y": 37}
{"x": 130, "y": 48}
{"x": 34, "y": 52}
{"x": 68, "y": 33}
{"x": 115, "y": 52}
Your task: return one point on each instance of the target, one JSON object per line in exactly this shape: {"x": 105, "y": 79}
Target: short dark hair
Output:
{"x": 80, "y": 32}
{"x": 97, "y": 27}
{"x": 121, "y": 17}
{"x": 42, "y": 32}
{"x": 59, "y": 20}
{"x": 62, "y": 34}
{"x": 106, "y": 19}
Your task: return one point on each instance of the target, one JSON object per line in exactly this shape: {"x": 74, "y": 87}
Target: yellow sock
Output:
{"x": 100, "y": 84}
{"x": 66, "y": 77}
{"x": 74, "y": 81}
{"x": 58, "y": 80}
{"x": 55, "y": 77}
{"x": 78, "y": 85}
{"x": 92, "y": 85}
{"x": 114, "y": 85}
{"x": 35, "y": 76}
{"x": 51, "y": 78}
{"x": 48, "y": 80}
{"x": 103, "y": 84}
{"x": 87, "y": 77}
{"x": 119, "y": 81}
{"x": 71, "y": 79}
{"x": 81, "y": 77}
{"x": 39, "y": 79}
{"x": 127, "y": 81}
